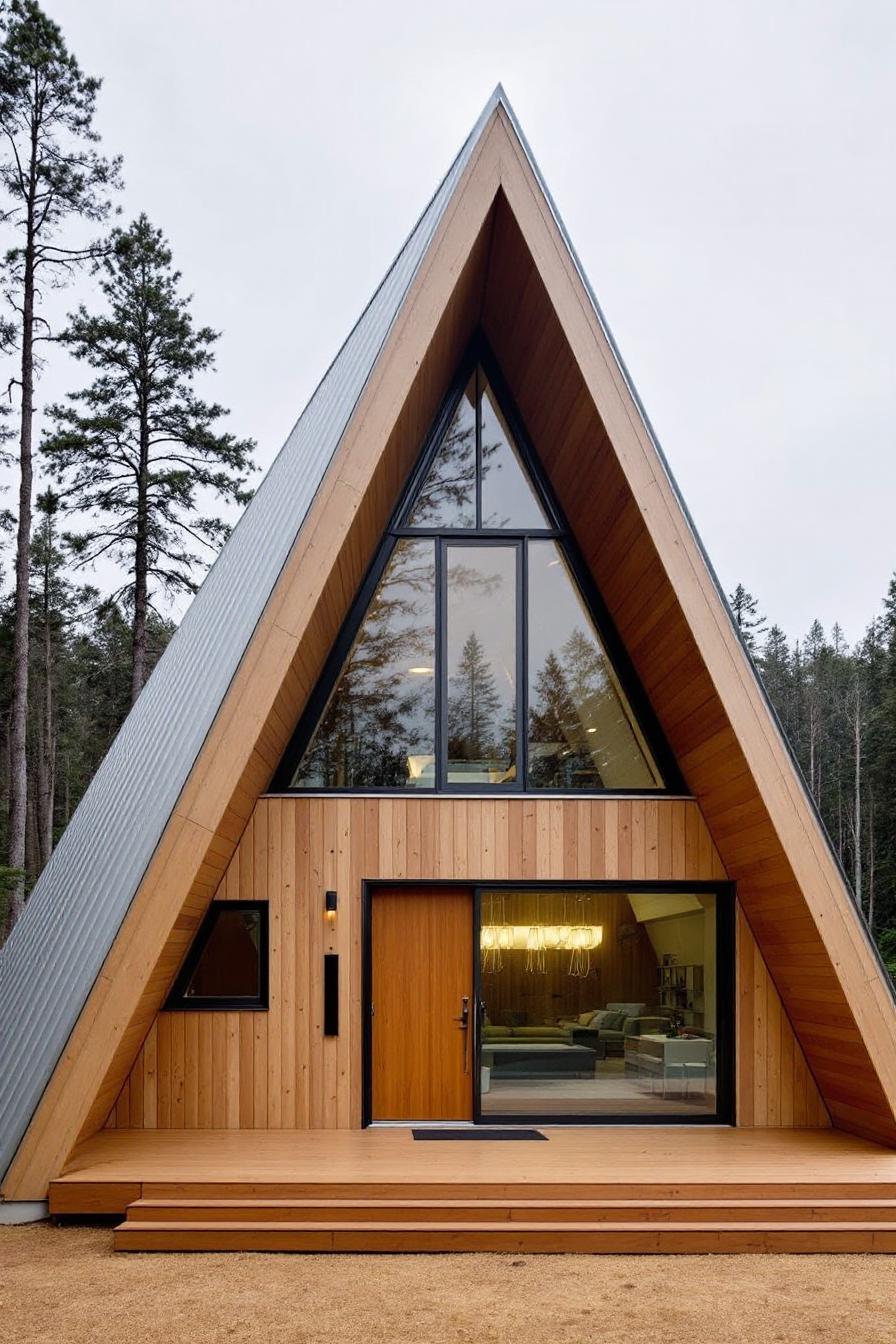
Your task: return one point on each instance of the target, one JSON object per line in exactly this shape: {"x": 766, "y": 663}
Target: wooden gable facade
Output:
{"x": 815, "y": 1037}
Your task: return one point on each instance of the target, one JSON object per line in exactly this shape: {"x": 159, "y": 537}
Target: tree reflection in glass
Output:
{"x": 447, "y": 497}
{"x": 481, "y": 657}
{"x": 508, "y": 497}
{"x": 379, "y": 727}
{"x": 378, "y": 730}
{"x": 582, "y": 734}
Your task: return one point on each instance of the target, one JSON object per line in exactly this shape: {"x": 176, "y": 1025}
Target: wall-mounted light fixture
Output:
{"x": 330, "y": 906}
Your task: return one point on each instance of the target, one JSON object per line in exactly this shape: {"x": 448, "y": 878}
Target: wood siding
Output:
{"x": 775, "y": 1089}
{"x": 276, "y": 1070}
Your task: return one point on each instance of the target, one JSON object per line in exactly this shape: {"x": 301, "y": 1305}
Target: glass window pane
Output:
{"x": 447, "y": 497}
{"x": 378, "y": 730}
{"x": 481, "y": 664}
{"x": 508, "y": 499}
{"x": 582, "y": 733}
{"x": 598, "y": 1003}
{"x": 229, "y": 965}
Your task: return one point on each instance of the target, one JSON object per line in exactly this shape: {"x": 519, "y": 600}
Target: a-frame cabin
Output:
{"x": 456, "y": 800}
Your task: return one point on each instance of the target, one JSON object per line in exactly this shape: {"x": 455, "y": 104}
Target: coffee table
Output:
{"x": 519, "y": 1059}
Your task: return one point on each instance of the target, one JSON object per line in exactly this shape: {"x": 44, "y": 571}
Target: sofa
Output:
{"x": 545, "y": 1035}
{"x": 609, "y": 1026}
{"x": 601, "y": 1029}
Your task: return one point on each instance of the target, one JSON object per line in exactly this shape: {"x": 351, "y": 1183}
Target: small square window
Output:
{"x": 227, "y": 965}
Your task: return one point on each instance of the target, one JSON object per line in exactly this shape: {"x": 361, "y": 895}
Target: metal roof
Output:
{"x": 58, "y": 946}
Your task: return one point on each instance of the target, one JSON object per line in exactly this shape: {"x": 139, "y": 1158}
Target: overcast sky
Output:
{"x": 726, "y": 172}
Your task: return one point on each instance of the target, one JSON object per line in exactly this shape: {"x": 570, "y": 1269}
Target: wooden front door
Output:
{"x": 421, "y": 989}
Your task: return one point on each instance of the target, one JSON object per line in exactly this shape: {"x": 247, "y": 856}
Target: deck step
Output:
{"x": 534, "y": 1237}
{"x": 72, "y": 1196}
{"x": 494, "y": 1211}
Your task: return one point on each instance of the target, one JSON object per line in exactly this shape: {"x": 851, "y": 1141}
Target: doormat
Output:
{"x": 478, "y": 1134}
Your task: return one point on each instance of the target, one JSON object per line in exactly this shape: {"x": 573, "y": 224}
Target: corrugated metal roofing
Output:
{"x": 55, "y": 952}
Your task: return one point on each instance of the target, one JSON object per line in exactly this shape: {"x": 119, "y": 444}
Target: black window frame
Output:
{"x": 725, "y": 1037}
{"x": 515, "y": 543}
{"x": 479, "y": 355}
{"x": 177, "y": 1002}
{"x": 725, "y": 893}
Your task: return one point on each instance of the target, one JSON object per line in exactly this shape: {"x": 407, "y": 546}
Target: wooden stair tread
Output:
{"x": 410, "y": 1233}
{"x": 510, "y": 1203}
{"x": 67, "y": 1197}
{"x": 503, "y": 1227}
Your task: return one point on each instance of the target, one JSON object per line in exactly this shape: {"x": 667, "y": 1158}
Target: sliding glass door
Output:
{"x": 604, "y": 1003}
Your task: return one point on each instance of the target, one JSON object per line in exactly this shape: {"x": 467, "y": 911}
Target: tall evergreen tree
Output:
{"x": 52, "y": 606}
{"x": 474, "y": 703}
{"x": 777, "y": 675}
{"x": 50, "y": 173}
{"x": 882, "y": 772}
{"x": 745, "y": 610}
{"x": 138, "y": 447}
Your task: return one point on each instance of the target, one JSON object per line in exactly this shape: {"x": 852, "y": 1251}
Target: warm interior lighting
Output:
{"x": 418, "y": 766}
{"x": 517, "y": 937}
{"x": 535, "y": 958}
{"x": 493, "y": 939}
{"x": 421, "y": 671}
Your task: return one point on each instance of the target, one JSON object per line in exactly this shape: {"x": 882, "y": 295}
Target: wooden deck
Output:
{"x": 597, "y": 1190}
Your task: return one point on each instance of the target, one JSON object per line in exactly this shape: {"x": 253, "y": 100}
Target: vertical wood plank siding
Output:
{"x": 276, "y": 1070}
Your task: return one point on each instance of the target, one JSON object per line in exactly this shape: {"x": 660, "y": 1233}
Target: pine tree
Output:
{"x": 378, "y": 715}
{"x": 447, "y": 496}
{"x": 51, "y": 607}
{"x": 138, "y": 447}
{"x": 777, "y": 676}
{"x": 555, "y": 720}
{"x": 745, "y": 610}
{"x": 473, "y": 704}
{"x": 882, "y": 766}
{"x": 815, "y": 701}
{"x": 51, "y": 174}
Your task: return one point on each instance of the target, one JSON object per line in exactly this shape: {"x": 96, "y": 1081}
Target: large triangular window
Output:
{"x": 474, "y": 659}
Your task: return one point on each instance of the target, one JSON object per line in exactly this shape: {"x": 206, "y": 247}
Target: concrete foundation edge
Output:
{"x": 16, "y": 1211}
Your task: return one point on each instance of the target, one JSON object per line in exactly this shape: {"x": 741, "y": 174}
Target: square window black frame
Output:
{"x": 177, "y": 1000}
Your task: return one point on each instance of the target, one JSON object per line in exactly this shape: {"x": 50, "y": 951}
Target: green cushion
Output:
{"x": 612, "y": 1021}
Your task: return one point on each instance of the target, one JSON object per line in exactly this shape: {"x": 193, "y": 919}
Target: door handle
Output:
{"x": 464, "y": 1021}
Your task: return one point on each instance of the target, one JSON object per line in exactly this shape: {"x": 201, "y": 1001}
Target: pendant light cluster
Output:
{"x": 576, "y": 935}
{"x": 535, "y": 946}
{"x": 496, "y": 937}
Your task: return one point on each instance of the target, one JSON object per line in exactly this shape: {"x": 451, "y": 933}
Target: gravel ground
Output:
{"x": 64, "y": 1284}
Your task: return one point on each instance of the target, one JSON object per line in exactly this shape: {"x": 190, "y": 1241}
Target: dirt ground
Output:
{"x": 64, "y": 1284}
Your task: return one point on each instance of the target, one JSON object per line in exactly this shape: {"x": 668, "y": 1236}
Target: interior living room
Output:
{"x": 599, "y": 1002}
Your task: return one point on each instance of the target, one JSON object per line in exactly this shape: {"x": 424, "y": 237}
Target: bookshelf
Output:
{"x": 680, "y": 990}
